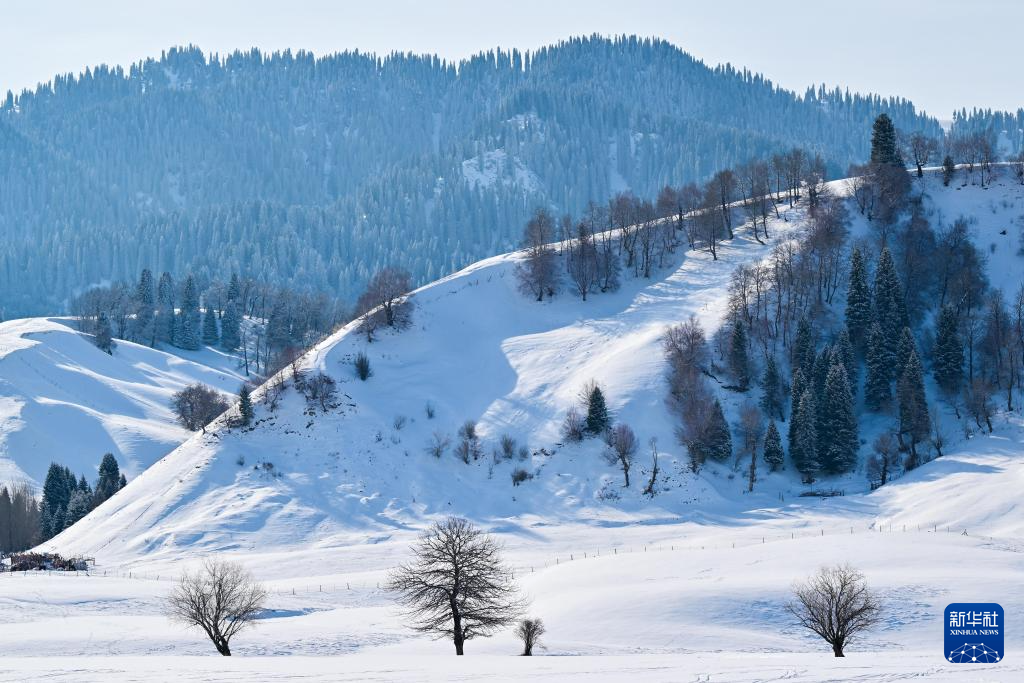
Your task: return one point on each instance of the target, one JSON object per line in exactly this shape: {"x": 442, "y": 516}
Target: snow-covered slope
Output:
{"x": 64, "y": 400}
{"x": 478, "y": 350}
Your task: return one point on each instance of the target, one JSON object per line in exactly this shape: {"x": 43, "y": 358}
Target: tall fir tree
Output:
{"x": 915, "y": 422}
{"x": 804, "y": 450}
{"x": 211, "y": 336}
{"x": 774, "y": 456}
{"x": 165, "y": 314}
{"x": 772, "y": 394}
{"x": 598, "y": 420}
{"x": 245, "y": 408}
{"x": 739, "y": 360}
{"x": 718, "y": 438}
{"x": 231, "y": 327}
{"x": 234, "y": 292}
{"x": 884, "y": 147}
{"x": 108, "y": 482}
{"x": 796, "y": 393}
{"x": 189, "y": 315}
{"x": 948, "y": 353}
{"x": 843, "y": 348}
{"x": 890, "y": 310}
{"x": 903, "y": 350}
{"x": 104, "y": 337}
{"x": 877, "y": 391}
{"x": 858, "y": 302}
{"x": 803, "y": 348}
{"x": 838, "y": 441}
{"x": 143, "y": 310}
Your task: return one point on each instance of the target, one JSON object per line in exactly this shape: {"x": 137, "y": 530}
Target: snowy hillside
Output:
{"x": 63, "y": 400}
{"x": 478, "y": 350}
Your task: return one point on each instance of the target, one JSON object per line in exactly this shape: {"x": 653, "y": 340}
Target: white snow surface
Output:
{"x": 688, "y": 585}
{"x": 63, "y": 400}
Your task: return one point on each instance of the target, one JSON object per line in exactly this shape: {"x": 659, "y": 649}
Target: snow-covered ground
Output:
{"x": 687, "y": 585}
{"x": 63, "y": 400}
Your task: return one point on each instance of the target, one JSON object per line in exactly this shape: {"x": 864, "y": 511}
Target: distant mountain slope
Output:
{"x": 64, "y": 400}
{"x": 313, "y": 172}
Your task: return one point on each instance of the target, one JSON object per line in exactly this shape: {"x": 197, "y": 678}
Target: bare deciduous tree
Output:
{"x": 529, "y": 631}
{"x": 197, "y": 405}
{"x": 384, "y": 303}
{"x": 537, "y": 272}
{"x": 221, "y": 598}
{"x": 836, "y": 604}
{"x": 321, "y": 389}
{"x": 622, "y": 446}
{"x": 457, "y": 585}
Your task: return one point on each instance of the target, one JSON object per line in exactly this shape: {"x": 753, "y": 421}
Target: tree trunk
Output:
{"x": 837, "y": 649}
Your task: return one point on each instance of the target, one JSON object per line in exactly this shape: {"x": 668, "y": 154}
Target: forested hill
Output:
{"x": 314, "y": 172}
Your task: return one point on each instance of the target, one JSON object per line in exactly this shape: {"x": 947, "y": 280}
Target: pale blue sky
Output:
{"x": 941, "y": 54}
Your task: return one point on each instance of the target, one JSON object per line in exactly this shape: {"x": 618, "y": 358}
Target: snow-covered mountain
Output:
{"x": 63, "y": 400}
{"x": 479, "y": 350}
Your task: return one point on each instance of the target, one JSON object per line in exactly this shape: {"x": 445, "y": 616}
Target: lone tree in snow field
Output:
{"x": 221, "y": 598}
{"x": 384, "y": 303}
{"x": 457, "y": 585}
{"x": 836, "y": 604}
{"x": 529, "y": 631}
{"x": 197, "y": 405}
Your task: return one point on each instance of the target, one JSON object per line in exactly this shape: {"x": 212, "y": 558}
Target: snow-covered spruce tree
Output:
{"x": 948, "y": 354}
{"x": 211, "y": 336}
{"x": 803, "y": 349}
{"x": 104, "y": 338}
{"x": 189, "y": 315}
{"x": 890, "y": 311}
{"x": 884, "y": 146}
{"x": 774, "y": 456}
{"x": 948, "y": 170}
{"x": 804, "y": 449}
{"x": 877, "y": 392}
{"x": 598, "y": 419}
{"x": 838, "y": 441}
{"x": 739, "y": 359}
{"x": 858, "y": 301}
{"x": 718, "y": 438}
{"x": 109, "y": 481}
{"x": 165, "y": 299}
{"x": 915, "y": 422}
{"x": 143, "y": 309}
{"x": 231, "y": 327}
{"x": 772, "y": 392}
{"x": 903, "y": 349}
{"x": 844, "y": 351}
{"x": 796, "y": 393}
{"x": 245, "y": 408}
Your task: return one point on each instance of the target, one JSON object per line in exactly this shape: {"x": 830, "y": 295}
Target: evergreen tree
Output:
{"x": 189, "y": 315}
{"x": 948, "y": 170}
{"x": 948, "y": 353}
{"x": 60, "y": 483}
{"x": 104, "y": 337}
{"x": 598, "y": 420}
{"x": 905, "y": 346}
{"x": 913, "y": 407}
{"x": 843, "y": 348}
{"x": 122, "y": 482}
{"x": 109, "y": 477}
{"x": 234, "y": 292}
{"x": 211, "y": 337}
{"x": 78, "y": 506}
{"x": 858, "y": 301}
{"x": 884, "y": 149}
{"x": 803, "y": 348}
{"x": 231, "y": 326}
{"x": 774, "y": 456}
{"x": 772, "y": 399}
{"x": 804, "y": 449}
{"x": 796, "y": 393}
{"x": 165, "y": 316}
{"x": 718, "y": 438}
{"x": 143, "y": 308}
{"x": 837, "y": 437}
{"x": 739, "y": 361}
{"x": 877, "y": 393}
{"x": 890, "y": 310}
{"x": 245, "y": 409}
